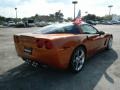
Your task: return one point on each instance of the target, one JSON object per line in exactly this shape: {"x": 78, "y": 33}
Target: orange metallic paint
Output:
{"x": 63, "y": 46}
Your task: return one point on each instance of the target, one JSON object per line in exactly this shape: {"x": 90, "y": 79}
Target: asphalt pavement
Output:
{"x": 101, "y": 72}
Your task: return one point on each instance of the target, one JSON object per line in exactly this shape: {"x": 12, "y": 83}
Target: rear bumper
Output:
{"x": 57, "y": 58}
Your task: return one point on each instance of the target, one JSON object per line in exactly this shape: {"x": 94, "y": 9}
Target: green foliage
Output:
{"x": 57, "y": 16}
{"x": 68, "y": 19}
{"x": 92, "y": 17}
{"x": 2, "y": 19}
{"x": 107, "y": 17}
{"x": 97, "y": 18}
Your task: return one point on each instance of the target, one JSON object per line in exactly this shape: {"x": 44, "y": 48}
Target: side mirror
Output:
{"x": 101, "y": 33}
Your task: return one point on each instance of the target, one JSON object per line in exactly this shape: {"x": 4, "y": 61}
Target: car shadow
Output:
{"x": 25, "y": 77}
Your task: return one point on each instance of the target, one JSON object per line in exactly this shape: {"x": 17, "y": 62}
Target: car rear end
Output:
{"x": 41, "y": 50}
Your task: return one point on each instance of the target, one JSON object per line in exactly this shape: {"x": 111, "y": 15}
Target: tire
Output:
{"x": 77, "y": 59}
{"x": 109, "y": 45}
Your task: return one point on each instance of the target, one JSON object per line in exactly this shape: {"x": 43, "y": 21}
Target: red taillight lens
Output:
{"x": 48, "y": 45}
{"x": 40, "y": 43}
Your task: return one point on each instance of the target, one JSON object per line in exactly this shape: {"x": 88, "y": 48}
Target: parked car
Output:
{"x": 30, "y": 23}
{"x": 62, "y": 46}
{"x": 108, "y": 23}
{"x": 20, "y": 24}
{"x": 91, "y": 22}
{"x": 11, "y": 23}
{"x": 41, "y": 24}
{"x": 5, "y": 23}
{"x": 115, "y": 22}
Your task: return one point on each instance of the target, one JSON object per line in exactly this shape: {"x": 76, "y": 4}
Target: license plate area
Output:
{"x": 27, "y": 51}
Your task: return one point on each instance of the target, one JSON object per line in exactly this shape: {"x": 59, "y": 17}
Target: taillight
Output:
{"x": 44, "y": 43}
{"x": 40, "y": 43}
{"x": 48, "y": 45}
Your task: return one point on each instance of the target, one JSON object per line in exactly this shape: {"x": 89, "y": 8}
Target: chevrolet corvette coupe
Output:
{"x": 62, "y": 46}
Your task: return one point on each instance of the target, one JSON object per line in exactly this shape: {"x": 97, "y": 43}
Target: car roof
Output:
{"x": 57, "y": 26}
{"x": 66, "y": 24}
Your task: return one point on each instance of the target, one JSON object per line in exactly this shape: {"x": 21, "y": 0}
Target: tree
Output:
{"x": 59, "y": 16}
{"x": 2, "y": 18}
{"x": 107, "y": 17}
{"x": 24, "y": 19}
{"x": 89, "y": 17}
{"x": 69, "y": 19}
{"x": 52, "y": 17}
{"x": 93, "y": 17}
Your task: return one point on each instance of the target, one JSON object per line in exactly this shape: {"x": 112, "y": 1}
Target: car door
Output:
{"x": 102, "y": 38}
{"x": 93, "y": 42}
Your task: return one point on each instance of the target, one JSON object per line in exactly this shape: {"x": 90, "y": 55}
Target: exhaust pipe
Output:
{"x": 27, "y": 61}
{"x": 35, "y": 64}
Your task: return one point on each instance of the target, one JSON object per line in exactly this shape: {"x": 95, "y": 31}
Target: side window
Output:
{"x": 58, "y": 30}
{"x": 72, "y": 29}
{"x": 87, "y": 29}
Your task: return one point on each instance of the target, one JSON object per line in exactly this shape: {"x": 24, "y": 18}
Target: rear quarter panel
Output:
{"x": 65, "y": 47}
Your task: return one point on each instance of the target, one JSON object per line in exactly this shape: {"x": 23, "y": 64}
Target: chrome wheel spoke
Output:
{"x": 77, "y": 54}
{"x": 76, "y": 66}
{"x": 78, "y": 60}
{"x": 82, "y": 54}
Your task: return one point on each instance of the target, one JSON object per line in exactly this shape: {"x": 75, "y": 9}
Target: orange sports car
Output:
{"x": 62, "y": 46}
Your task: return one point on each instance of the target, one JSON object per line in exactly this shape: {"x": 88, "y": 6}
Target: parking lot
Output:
{"x": 101, "y": 72}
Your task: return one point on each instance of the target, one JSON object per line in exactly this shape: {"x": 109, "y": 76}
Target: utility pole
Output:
{"x": 74, "y": 2}
{"x": 16, "y": 15}
{"x": 110, "y": 6}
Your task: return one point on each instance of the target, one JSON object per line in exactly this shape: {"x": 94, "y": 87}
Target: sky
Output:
{"x": 27, "y": 8}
